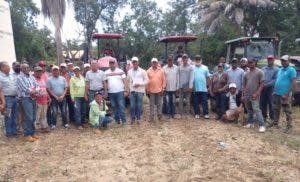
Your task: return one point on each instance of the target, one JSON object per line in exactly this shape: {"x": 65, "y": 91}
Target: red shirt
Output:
{"x": 42, "y": 98}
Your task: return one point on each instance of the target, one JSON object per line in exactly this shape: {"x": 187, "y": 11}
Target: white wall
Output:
{"x": 7, "y": 47}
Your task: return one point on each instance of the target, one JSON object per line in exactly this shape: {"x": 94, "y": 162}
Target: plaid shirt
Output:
{"x": 27, "y": 83}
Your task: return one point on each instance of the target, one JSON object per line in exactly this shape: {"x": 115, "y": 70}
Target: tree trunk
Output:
{"x": 298, "y": 17}
{"x": 59, "y": 55}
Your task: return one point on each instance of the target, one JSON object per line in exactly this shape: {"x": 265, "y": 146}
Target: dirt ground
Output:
{"x": 169, "y": 150}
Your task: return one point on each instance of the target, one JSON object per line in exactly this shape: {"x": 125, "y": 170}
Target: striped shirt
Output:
{"x": 27, "y": 83}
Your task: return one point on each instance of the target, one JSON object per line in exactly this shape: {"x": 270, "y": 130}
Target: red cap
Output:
{"x": 41, "y": 63}
{"x": 270, "y": 57}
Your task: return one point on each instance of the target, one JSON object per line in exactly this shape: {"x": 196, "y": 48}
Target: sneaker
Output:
{"x": 206, "y": 116}
{"x": 273, "y": 125}
{"x": 53, "y": 127}
{"x": 66, "y": 126}
{"x": 249, "y": 126}
{"x": 80, "y": 128}
{"x": 262, "y": 129}
{"x": 197, "y": 116}
{"x": 45, "y": 130}
{"x": 35, "y": 136}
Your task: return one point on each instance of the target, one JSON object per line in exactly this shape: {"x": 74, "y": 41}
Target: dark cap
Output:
{"x": 234, "y": 60}
{"x": 97, "y": 93}
{"x": 198, "y": 57}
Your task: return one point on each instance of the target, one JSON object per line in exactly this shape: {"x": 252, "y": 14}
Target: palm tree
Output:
{"x": 55, "y": 10}
{"x": 213, "y": 11}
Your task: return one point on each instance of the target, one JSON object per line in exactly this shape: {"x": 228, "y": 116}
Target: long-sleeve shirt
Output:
{"x": 26, "y": 84}
{"x": 270, "y": 75}
{"x": 186, "y": 76}
{"x": 77, "y": 86}
{"x": 172, "y": 77}
{"x": 138, "y": 76}
{"x": 157, "y": 80}
{"x": 96, "y": 111}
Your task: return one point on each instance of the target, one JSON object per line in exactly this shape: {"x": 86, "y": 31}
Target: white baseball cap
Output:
{"x": 134, "y": 59}
{"x": 154, "y": 60}
{"x": 86, "y": 65}
{"x": 63, "y": 65}
{"x": 232, "y": 85}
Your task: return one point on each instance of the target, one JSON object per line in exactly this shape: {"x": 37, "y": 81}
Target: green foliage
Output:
{"x": 31, "y": 44}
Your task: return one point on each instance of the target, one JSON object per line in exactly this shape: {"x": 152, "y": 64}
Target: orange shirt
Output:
{"x": 157, "y": 81}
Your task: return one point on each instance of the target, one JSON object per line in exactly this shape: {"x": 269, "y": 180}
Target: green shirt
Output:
{"x": 96, "y": 111}
{"x": 77, "y": 86}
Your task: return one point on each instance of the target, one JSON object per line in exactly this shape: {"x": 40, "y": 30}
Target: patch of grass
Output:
{"x": 45, "y": 170}
{"x": 277, "y": 137}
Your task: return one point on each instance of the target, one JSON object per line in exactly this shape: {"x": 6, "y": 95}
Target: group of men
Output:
{"x": 36, "y": 97}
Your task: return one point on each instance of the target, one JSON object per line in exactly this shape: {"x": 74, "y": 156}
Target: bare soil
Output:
{"x": 168, "y": 150}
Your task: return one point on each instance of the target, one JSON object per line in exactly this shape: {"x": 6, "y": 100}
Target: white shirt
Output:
{"x": 172, "y": 77}
{"x": 95, "y": 79}
{"x": 115, "y": 80}
{"x": 232, "y": 101}
{"x": 138, "y": 76}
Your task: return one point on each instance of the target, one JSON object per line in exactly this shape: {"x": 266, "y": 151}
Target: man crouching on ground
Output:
{"x": 233, "y": 104}
{"x": 98, "y": 113}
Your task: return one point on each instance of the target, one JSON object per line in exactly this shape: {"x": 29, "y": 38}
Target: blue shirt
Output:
{"x": 284, "y": 80}
{"x": 200, "y": 76}
{"x": 8, "y": 84}
{"x": 27, "y": 83}
{"x": 270, "y": 75}
{"x": 57, "y": 85}
{"x": 236, "y": 76}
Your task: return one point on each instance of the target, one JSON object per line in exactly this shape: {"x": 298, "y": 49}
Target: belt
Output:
{"x": 10, "y": 96}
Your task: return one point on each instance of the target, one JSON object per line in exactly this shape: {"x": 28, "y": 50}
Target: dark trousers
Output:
{"x": 200, "y": 97}
{"x": 266, "y": 101}
{"x": 54, "y": 110}
{"x": 170, "y": 103}
{"x": 70, "y": 106}
{"x": 220, "y": 103}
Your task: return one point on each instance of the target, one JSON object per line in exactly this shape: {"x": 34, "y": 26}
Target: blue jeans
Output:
{"x": 30, "y": 108}
{"x": 54, "y": 109}
{"x": 252, "y": 107}
{"x": 220, "y": 103}
{"x": 170, "y": 103}
{"x": 266, "y": 99}
{"x": 136, "y": 105}
{"x": 80, "y": 110}
{"x": 10, "y": 119}
{"x": 103, "y": 121}
{"x": 200, "y": 97}
{"x": 117, "y": 101}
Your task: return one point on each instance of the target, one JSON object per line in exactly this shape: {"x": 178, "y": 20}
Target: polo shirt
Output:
{"x": 200, "y": 76}
{"x": 284, "y": 80}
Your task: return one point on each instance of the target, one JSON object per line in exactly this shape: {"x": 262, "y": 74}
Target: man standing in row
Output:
{"x": 172, "y": 86}
{"x": 284, "y": 85}
{"x": 115, "y": 87}
{"x": 29, "y": 89}
{"x": 57, "y": 88}
{"x": 252, "y": 87}
{"x": 9, "y": 89}
{"x": 266, "y": 98}
{"x": 155, "y": 88}
{"x": 201, "y": 81}
{"x": 186, "y": 81}
{"x": 137, "y": 80}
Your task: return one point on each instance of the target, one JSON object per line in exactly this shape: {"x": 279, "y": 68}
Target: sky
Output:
{"x": 71, "y": 28}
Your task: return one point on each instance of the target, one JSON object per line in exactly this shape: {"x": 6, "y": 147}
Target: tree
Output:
{"x": 55, "y": 10}
{"x": 31, "y": 44}
{"x": 213, "y": 12}
{"x": 88, "y": 12}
